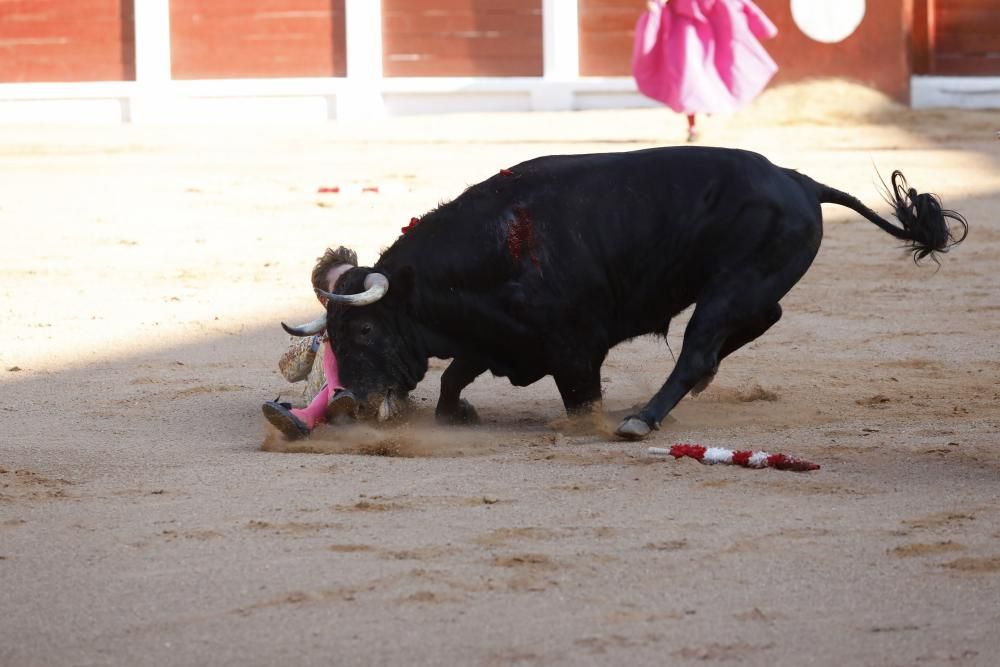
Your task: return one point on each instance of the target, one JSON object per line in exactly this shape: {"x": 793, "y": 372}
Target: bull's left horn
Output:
{"x": 376, "y": 285}
{"x": 310, "y": 329}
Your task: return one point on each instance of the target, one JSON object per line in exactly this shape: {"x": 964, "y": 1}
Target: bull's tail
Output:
{"x": 926, "y": 229}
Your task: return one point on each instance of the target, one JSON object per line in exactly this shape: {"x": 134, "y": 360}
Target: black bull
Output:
{"x": 543, "y": 268}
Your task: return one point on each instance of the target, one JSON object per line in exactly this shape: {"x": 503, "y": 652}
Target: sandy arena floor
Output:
{"x": 144, "y": 273}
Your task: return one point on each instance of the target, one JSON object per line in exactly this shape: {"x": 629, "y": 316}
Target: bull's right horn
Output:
{"x": 376, "y": 285}
{"x": 309, "y": 329}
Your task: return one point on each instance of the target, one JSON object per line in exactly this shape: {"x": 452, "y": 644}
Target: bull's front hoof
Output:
{"x": 633, "y": 428}
{"x": 461, "y": 415}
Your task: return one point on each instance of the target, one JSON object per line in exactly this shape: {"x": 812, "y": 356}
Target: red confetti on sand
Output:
{"x": 348, "y": 189}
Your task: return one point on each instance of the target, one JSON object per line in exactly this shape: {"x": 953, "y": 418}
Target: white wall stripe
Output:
{"x": 561, "y": 39}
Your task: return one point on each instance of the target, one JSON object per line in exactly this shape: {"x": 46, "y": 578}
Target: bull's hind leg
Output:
{"x": 727, "y": 316}
{"x": 737, "y": 309}
{"x": 712, "y": 333}
{"x": 754, "y": 328}
{"x": 451, "y": 407}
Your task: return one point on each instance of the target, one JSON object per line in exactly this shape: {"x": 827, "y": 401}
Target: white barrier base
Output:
{"x": 963, "y": 92}
{"x": 303, "y": 100}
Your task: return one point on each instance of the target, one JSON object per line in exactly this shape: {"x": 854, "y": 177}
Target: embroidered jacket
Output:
{"x": 303, "y": 360}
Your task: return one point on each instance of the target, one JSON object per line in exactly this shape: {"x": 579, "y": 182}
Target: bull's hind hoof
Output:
{"x": 461, "y": 415}
{"x": 633, "y": 428}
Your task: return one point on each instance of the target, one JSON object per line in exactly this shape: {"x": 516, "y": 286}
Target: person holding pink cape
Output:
{"x": 702, "y": 56}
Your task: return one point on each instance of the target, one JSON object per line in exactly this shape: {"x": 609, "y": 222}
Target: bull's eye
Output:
{"x": 362, "y": 332}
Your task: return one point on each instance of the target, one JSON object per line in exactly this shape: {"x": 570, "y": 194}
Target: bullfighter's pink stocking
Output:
{"x": 330, "y": 369}
{"x": 313, "y": 413}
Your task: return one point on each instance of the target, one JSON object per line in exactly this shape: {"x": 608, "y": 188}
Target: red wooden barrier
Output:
{"x": 963, "y": 37}
{"x": 56, "y": 40}
{"x": 257, "y": 38}
{"x": 462, "y": 37}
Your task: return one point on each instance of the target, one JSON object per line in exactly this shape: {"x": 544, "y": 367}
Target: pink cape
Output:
{"x": 702, "y": 56}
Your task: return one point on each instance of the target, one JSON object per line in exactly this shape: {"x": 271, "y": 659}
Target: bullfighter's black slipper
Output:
{"x": 280, "y": 416}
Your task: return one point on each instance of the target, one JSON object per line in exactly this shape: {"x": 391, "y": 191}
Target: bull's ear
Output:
{"x": 401, "y": 283}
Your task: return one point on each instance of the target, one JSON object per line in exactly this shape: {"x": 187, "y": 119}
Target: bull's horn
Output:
{"x": 310, "y": 329}
{"x": 376, "y": 285}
